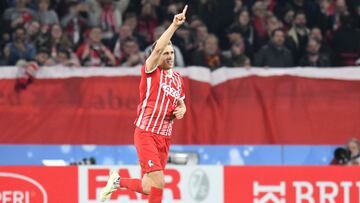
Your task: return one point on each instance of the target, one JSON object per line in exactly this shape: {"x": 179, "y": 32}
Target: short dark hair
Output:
{"x": 65, "y": 51}
{"x": 272, "y": 34}
{"x": 299, "y": 12}
{"x": 20, "y": 27}
{"x": 44, "y": 50}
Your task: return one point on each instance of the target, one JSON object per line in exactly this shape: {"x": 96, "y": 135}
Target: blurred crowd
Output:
{"x": 233, "y": 33}
{"x": 348, "y": 155}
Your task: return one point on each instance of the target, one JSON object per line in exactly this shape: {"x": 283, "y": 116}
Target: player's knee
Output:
{"x": 146, "y": 186}
{"x": 157, "y": 178}
{"x": 160, "y": 183}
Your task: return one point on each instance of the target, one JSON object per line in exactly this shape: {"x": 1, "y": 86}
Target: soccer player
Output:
{"x": 161, "y": 101}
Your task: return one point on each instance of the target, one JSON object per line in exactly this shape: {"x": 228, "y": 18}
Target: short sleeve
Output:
{"x": 143, "y": 70}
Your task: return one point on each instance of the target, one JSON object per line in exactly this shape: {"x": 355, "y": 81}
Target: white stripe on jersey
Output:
{"x": 168, "y": 128}
{"x": 177, "y": 79}
{"x": 157, "y": 100}
{"x": 162, "y": 120}
{"x": 148, "y": 86}
{"x": 159, "y": 114}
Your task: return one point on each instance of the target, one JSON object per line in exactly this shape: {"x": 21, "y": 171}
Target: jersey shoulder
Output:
{"x": 145, "y": 72}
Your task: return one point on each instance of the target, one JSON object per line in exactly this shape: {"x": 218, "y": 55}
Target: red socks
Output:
{"x": 132, "y": 184}
{"x": 155, "y": 195}
{"x": 135, "y": 185}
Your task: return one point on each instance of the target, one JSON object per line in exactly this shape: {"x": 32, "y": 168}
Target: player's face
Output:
{"x": 167, "y": 57}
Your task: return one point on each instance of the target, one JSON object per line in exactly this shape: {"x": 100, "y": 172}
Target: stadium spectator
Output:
{"x": 19, "y": 48}
{"x": 238, "y": 6}
{"x": 4, "y": 39}
{"x": 56, "y": 40}
{"x": 341, "y": 9}
{"x": 288, "y": 19}
{"x": 148, "y": 21}
{"x": 124, "y": 32}
{"x": 311, "y": 9}
{"x": 108, "y": 15}
{"x": 131, "y": 54}
{"x": 75, "y": 22}
{"x": 195, "y": 21}
{"x": 260, "y": 17}
{"x": 234, "y": 36}
{"x": 33, "y": 31}
{"x": 313, "y": 57}
{"x": 210, "y": 56}
{"x": 316, "y": 33}
{"x": 179, "y": 59}
{"x": 183, "y": 40}
{"x": 116, "y": 43}
{"x": 272, "y": 23}
{"x": 354, "y": 148}
{"x": 243, "y": 24}
{"x": 274, "y": 54}
{"x": 43, "y": 58}
{"x": 298, "y": 36}
{"x": 237, "y": 56}
{"x": 254, "y": 20}
{"x": 208, "y": 13}
{"x": 44, "y": 15}
{"x": 200, "y": 35}
{"x": 93, "y": 52}
{"x": 346, "y": 43}
{"x": 18, "y": 15}
{"x": 131, "y": 20}
{"x": 66, "y": 58}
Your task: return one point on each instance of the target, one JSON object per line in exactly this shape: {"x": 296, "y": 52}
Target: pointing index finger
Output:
{"x": 184, "y": 10}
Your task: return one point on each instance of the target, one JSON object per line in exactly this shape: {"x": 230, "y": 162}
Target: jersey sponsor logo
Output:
{"x": 92, "y": 179}
{"x": 21, "y": 189}
{"x": 151, "y": 163}
{"x": 306, "y": 191}
{"x": 171, "y": 91}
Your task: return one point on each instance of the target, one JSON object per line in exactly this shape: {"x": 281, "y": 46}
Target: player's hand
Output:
{"x": 180, "y": 18}
{"x": 179, "y": 112}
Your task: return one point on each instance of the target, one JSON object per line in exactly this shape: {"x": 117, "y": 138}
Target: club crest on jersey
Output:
{"x": 171, "y": 91}
{"x": 151, "y": 163}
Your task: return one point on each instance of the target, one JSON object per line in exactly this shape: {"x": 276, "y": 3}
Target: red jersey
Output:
{"x": 159, "y": 94}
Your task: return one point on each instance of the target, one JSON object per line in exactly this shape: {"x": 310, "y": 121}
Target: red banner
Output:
{"x": 186, "y": 184}
{"x": 225, "y": 107}
{"x": 292, "y": 184}
{"x": 183, "y": 184}
{"x": 39, "y": 184}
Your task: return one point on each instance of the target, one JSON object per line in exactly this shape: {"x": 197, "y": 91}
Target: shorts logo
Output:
{"x": 151, "y": 163}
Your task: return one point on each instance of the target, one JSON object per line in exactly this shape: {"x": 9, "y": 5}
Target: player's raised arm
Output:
{"x": 153, "y": 60}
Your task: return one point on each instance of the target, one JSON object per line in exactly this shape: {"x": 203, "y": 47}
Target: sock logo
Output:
{"x": 151, "y": 163}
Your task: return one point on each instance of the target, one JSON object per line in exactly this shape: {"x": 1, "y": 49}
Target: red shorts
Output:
{"x": 152, "y": 150}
